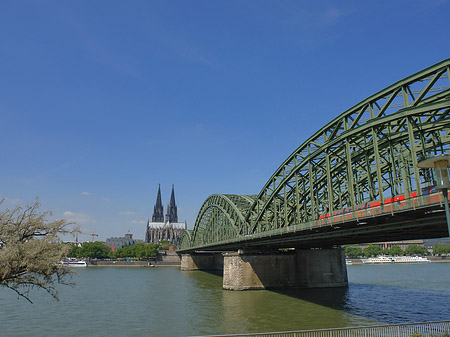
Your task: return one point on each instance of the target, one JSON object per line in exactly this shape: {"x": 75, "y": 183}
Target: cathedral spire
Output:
{"x": 158, "y": 210}
{"x": 172, "y": 211}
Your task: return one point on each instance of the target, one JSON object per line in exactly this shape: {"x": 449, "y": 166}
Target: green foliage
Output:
{"x": 74, "y": 251}
{"x": 396, "y": 251}
{"x": 353, "y": 252}
{"x": 30, "y": 251}
{"x": 372, "y": 250}
{"x": 416, "y": 250}
{"x": 138, "y": 251}
{"x": 164, "y": 245}
{"x": 393, "y": 251}
{"x": 93, "y": 250}
{"x": 386, "y": 251}
{"x": 418, "y": 334}
{"x": 441, "y": 249}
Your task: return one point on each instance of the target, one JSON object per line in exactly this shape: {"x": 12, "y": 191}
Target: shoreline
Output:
{"x": 433, "y": 259}
{"x": 134, "y": 264}
{"x": 165, "y": 258}
{"x": 147, "y": 264}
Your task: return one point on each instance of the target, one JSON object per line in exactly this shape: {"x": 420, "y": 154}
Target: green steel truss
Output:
{"x": 370, "y": 152}
{"x": 221, "y": 216}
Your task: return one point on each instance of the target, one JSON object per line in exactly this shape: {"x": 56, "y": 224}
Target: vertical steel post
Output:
{"x": 447, "y": 211}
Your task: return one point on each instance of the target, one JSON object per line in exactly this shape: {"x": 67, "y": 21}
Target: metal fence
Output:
{"x": 425, "y": 329}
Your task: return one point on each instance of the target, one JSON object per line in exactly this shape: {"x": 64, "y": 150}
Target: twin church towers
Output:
{"x": 165, "y": 228}
{"x": 158, "y": 210}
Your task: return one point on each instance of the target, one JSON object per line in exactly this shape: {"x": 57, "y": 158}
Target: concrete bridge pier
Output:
{"x": 311, "y": 268}
{"x": 202, "y": 261}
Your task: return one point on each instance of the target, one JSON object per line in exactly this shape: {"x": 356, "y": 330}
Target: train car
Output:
{"x": 362, "y": 210}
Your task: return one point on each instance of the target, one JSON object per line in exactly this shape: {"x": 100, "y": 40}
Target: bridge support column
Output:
{"x": 201, "y": 261}
{"x": 300, "y": 269}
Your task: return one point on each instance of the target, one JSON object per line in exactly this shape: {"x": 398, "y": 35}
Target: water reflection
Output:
{"x": 276, "y": 311}
{"x": 393, "y": 304}
{"x": 167, "y": 302}
{"x": 263, "y": 310}
{"x": 374, "y": 296}
{"x": 334, "y": 298}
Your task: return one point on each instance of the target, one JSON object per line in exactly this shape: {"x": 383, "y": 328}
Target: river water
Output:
{"x": 163, "y": 301}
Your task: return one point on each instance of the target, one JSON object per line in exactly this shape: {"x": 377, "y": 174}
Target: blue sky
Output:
{"x": 101, "y": 101}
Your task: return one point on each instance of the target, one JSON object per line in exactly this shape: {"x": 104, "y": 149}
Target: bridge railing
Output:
{"x": 397, "y": 205}
{"x": 425, "y": 329}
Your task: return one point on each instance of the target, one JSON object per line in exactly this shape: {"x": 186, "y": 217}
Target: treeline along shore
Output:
{"x": 163, "y": 259}
{"x": 431, "y": 258}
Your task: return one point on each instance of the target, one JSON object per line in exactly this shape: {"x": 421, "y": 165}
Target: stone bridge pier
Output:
{"x": 246, "y": 270}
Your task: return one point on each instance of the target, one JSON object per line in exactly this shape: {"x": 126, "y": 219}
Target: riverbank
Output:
{"x": 172, "y": 259}
{"x": 141, "y": 264}
{"x": 167, "y": 302}
{"x": 164, "y": 259}
{"x": 431, "y": 258}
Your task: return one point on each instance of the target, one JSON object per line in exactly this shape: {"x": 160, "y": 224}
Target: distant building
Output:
{"x": 121, "y": 242}
{"x": 168, "y": 228}
{"x": 403, "y": 244}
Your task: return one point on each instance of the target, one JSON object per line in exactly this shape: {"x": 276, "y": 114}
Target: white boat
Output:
{"x": 395, "y": 259}
{"x": 74, "y": 263}
{"x": 378, "y": 260}
{"x": 348, "y": 262}
{"x": 410, "y": 259}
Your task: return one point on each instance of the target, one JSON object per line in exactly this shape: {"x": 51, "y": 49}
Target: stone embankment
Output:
{"x": 431, "y": 258}
{"x": 164, "y": 259}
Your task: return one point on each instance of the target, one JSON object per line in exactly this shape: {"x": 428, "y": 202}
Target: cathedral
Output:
{"x": 168, "y": 228}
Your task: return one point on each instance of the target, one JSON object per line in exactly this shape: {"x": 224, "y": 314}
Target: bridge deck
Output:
{"x": 415, "y": 218}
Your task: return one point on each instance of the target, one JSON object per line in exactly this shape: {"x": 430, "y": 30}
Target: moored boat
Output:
{"x": 395, "y": 259}
{"x": 377, "y": 260}
{"x": 74, "y": 263}
{"x": 410, "y": 259}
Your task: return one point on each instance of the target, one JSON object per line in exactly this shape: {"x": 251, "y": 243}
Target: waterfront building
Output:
{"x": 402, "y": 244}
{"x": 168, "y": 228}
{"x": 121, "y": 242}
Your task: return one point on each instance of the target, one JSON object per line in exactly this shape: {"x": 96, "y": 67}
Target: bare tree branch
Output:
{"x": 30, "y": 250}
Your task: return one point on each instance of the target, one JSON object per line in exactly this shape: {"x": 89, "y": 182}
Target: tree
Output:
{"x": 416, "y": 250}
{"x": 396, "y": 251}
{"x": 353, "y": 252}
{"x": 386, "y": 251}
{"x": 372, "y": 250}
{"x": 74, "y": 251}
{"x": 138, "y": 250}
{"x": 94, "y": 250}
{"x": 164, "y": 245}
{"x": 30, "y": 251}
{"x": 441, "y": 249}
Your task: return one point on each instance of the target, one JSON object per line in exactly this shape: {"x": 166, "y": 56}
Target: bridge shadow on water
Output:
{"x": 381, "y": 303}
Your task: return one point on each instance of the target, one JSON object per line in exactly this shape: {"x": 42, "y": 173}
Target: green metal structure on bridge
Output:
{"x": 355, "y": 180}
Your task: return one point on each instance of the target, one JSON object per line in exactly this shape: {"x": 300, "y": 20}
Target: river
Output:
{"x": 163, "y": 302}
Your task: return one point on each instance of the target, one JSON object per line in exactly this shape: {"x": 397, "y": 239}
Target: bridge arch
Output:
{"x": 368, "y": 153}
{"x": 185, "y": 241}
{"x": 221, "y": 217}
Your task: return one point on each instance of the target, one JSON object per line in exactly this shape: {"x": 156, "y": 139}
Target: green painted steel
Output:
{"x": 222, "y": 216}
{"x": 185, "y": 242}
{"x": 370, "y": 152}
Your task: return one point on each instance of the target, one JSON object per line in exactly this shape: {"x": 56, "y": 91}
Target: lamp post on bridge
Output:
{"x": 440, "y": 166}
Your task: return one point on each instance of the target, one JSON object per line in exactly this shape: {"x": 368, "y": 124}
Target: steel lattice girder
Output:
{"x": 222, "y": 216}
{"x": 185, "y": 241}
{"x": 367, "y": 153}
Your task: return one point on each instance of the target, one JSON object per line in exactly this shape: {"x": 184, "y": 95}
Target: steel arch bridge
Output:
{"x": 344, "y": 182}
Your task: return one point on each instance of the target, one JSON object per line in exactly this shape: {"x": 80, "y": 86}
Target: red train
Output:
{"x": 387, "y": 203}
